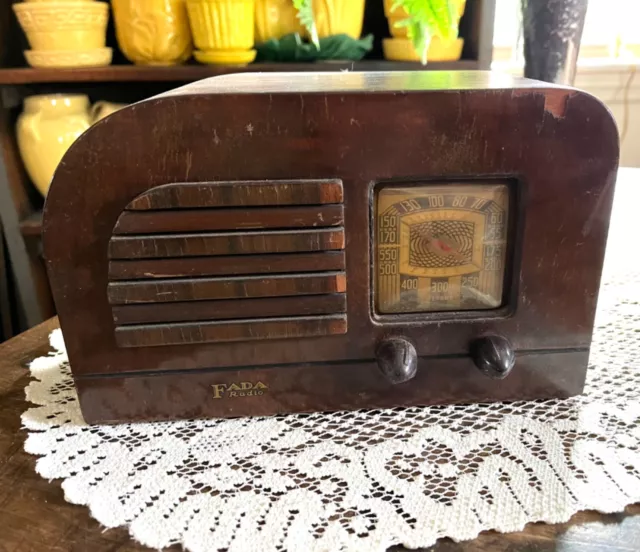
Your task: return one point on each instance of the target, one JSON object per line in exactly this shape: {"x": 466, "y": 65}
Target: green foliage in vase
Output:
{"x": 426, "y": 19}
{"x": 292, "y": 47}
{"x": 305, "y": 15}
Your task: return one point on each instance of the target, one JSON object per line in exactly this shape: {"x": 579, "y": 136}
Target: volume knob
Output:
{"x": 493, "y": 355}
{"x": 397, "y": 359}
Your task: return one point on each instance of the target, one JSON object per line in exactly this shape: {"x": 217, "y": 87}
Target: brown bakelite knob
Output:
{"x": 397, "y": 359}
{"x": 493, "y": 355}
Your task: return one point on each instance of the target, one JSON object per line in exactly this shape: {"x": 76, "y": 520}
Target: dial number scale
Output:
{"x": 440, "y": 247}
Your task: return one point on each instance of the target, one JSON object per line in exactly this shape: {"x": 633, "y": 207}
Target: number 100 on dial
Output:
{"x": 440, "y": 247}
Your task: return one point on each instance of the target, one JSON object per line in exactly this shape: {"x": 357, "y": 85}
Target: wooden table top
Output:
{"x": 35, "y": 516}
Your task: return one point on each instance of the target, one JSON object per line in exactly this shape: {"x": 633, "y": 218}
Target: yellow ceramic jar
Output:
{"x": 223, "y": 30}
{"x": 339, "y": 17}
{"x": 276, "y": 18}
{"x": 153, "y": 32}
{"x": 47, "y": 127}
{"x": 64, "y": 25}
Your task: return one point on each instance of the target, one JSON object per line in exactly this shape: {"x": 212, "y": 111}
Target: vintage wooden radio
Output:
{"x": 264, "y": 243}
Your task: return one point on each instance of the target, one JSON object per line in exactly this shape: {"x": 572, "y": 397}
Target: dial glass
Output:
{"x": 440, "y": 247}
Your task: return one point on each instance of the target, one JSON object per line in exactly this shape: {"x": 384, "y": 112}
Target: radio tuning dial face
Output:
{"x": 440, "y": 247}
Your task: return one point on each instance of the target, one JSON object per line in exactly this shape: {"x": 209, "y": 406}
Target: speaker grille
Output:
{"x": 229, "y": 261}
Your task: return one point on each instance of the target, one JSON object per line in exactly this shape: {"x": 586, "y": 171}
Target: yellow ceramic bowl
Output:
{"x": 64, "y": 25}
{"x": 222, "y": 24}
{"x": 401, "y": 49}
{"x": 153, "y": 32}
{"x": 69, "y": 58}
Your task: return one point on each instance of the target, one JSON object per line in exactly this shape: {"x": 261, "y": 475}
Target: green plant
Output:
{"x": 292, "y": 47}
{"x": 426, "y": 19}
{"x": 305, "y": 15}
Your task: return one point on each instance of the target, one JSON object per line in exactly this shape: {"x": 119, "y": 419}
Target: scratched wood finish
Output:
{"x": 221, "y": 265}
{"x": 337, "y": 386}
{"x": 558, "y": 146}
{"x": 203, "y": 220}
{"x": 232, "y": 243}
{"x": 239, "y": 194}
{"x": 224, "y": 332}
{"x": 198, "y": 289}
{"x": 63, "y": 527}
{"x": 190, "y": 311}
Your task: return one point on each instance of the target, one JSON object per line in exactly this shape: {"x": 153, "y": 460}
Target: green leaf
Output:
{"x": 426, "y": 19}
{"x": 305, "y": 15}
{"x": 291, "y": 47}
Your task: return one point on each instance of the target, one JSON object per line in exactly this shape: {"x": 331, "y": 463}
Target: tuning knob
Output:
{"x": 493, "y": 355}
{"x": 397, "y": 359}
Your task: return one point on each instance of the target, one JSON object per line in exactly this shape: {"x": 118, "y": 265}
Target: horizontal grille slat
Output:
{"x": 231, "y": 243}
{"x": 199, "y": 195}
{"x": 221, "y": 332}
{"x": 198, "y": 289}
{"x": 202, "y": 220}
{"x": 230, "y": 309}
{"x": 226, "y": 265}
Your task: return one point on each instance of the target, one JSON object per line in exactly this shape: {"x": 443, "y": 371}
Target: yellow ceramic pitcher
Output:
{"x": 100, "y": 110}
{"x": 47, "y": 127}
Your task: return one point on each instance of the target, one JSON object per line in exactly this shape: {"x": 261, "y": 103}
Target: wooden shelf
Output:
{"x": 189, "y": 73}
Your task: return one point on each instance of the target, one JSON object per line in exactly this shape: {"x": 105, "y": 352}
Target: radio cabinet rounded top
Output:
{"x": 231, "y": 223}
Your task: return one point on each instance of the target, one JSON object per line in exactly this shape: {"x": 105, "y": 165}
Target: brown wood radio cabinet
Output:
{"x": 259, "y": 244}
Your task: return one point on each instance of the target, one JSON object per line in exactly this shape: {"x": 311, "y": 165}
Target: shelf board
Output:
{"x": 189, "y": 73}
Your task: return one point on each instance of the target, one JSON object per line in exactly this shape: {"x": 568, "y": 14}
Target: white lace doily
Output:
{"x": 369, "y": 479}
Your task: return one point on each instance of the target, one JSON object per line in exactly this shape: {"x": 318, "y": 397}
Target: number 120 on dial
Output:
{"x": 440, "y": 247}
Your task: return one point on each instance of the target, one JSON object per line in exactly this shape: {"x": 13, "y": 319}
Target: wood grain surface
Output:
{"x": 226, "y": 265}
{"x": 34, "y": 515}
{"x": 238, "y": 287}
{"x": 239, "y": 194}
{"x": 203, "y": 220}
{"x": 229, "y": 243}
{"x": 154, "y": 335}
{"x": 345, "y": 134}
{"x": 229, "y": 309}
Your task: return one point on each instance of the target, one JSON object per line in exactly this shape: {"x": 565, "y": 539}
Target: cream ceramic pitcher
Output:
{"x": 46, "y": 128}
